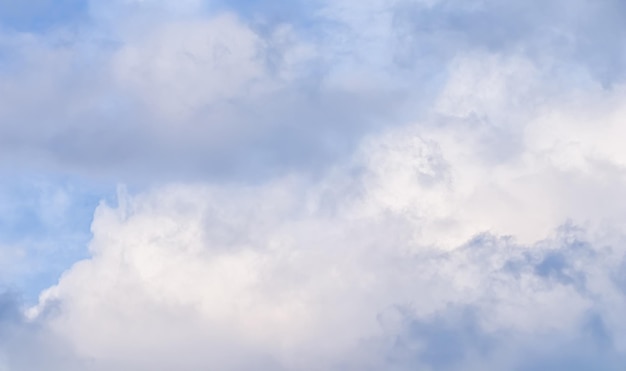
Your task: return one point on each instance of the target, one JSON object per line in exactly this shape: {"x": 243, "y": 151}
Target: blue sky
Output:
{"x": 306, "y": 185}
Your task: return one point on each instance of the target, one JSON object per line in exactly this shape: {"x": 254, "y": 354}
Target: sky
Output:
{"x": 312, "y": 185}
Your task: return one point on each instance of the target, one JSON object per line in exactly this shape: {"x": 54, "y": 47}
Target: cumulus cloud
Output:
{"x": 191, "y": 93}
{"x": 411, "y": 185}
{"x": 435, "y": 247}
{"x": 211, "y": 90}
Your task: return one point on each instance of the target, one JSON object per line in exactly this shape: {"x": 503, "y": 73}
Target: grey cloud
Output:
{"x": 26, "y": 346}
{"x": 443, "y": 342}
{"x": 76, "y": 118}
{"x": 557, "y": 33}
{"x": 460, "y": 338}
{"x": 554, "y": 266}
{"x": 456, "y": 340}
{"x": 619, "y": 276}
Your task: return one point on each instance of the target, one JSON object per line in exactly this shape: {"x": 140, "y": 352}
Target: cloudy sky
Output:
{"x": 312, "y": 185}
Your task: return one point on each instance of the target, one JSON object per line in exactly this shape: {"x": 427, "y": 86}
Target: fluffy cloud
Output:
{"x": 404, "y": 188}
{"x": 200, "y": 94}
{"x": 434, "y": 247}
{"x": 210, "y": 89}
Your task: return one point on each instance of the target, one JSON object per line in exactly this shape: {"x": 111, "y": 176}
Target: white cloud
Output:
{"x": 485, "y": 234}
{"x": 183, "y": 67}
{"x": 422, "y": 238}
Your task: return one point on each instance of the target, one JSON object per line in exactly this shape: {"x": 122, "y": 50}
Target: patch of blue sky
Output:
{"x": 35, "y": 16}
{"x": 299, "y": 14}
{"x": 45, "y": 225}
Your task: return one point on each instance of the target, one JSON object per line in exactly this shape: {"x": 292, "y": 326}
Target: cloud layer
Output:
{"x": 434, "y": 246}
{"x": 337, "y": 185}
{"x": 157, "y": 89}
